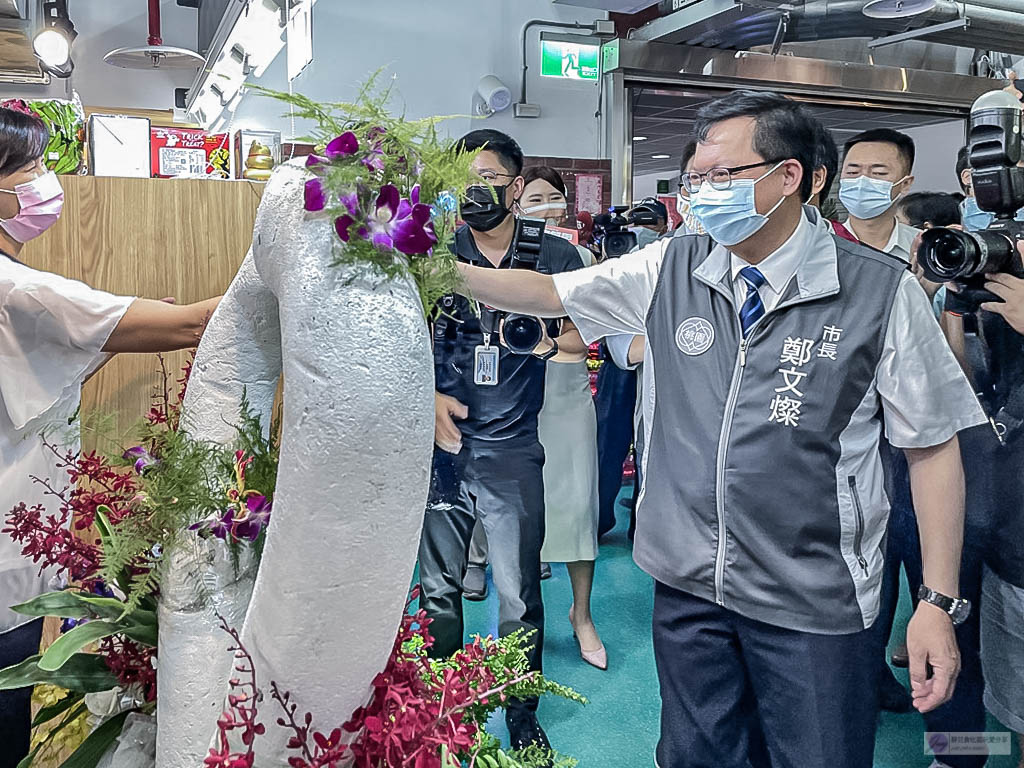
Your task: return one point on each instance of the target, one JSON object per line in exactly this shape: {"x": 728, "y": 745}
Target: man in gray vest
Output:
{"x": 776, "y": 356}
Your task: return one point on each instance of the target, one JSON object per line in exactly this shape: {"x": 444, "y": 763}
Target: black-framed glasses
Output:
{"x": 489, "y": 177}
{"x": 718, "y": 178}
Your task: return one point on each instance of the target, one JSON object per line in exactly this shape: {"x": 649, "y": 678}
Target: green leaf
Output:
{"x": 72, "y": 605}
{"x": 78, "y": 638}
{"x": 97, "y": 743}
{"x": 85, "y": 672}
{"x": 46, "y": 714}
{"x": 146, "y": 634}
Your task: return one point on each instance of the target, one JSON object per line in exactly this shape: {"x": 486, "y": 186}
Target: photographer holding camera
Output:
{"x": 488, "y": 465}
{"x": 983, "y": 269}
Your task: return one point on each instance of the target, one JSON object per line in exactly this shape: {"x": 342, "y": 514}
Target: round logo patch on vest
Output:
{"x": 694, "y": 336}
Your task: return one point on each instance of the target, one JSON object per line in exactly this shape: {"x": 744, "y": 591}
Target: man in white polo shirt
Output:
{"x": 877, "y": 171}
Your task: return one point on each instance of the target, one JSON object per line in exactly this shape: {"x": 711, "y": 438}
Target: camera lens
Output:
{"x": 522, "y": 333}
{"x": 947, "y": 254}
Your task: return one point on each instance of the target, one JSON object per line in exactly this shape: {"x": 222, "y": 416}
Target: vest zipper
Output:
{"x": 723, "y": 443}
{"x": 858, "y": 533}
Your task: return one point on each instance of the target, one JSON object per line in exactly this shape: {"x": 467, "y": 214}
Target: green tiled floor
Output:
{"x": 619, "y": 727}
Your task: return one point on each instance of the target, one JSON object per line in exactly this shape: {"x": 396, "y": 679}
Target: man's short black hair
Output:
{"x": 903, "y": 143}
{"x": 935, "y": 208}
{"x": 501, "y": 144}
{"x": 963, "y": 162}
{"x": 827, "y": 158}
{"x": 784, "y": 129}
{"x": 689, "y": 150}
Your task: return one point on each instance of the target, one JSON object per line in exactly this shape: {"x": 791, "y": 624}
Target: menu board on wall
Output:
{"x": 588, "y": 193}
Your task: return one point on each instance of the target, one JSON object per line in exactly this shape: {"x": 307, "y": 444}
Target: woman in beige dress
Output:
{"x": 568, "y": 432}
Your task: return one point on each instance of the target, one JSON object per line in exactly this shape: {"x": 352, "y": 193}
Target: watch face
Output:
{"x": 961, "y": 611}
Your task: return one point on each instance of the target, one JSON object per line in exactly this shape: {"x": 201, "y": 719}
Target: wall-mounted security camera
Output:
{"x": 491, "y": 96}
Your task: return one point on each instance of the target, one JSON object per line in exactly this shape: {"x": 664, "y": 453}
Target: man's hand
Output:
{"x": 929, "y": 287}
{"x": 931, "y": 643}
{"x": 447, "y": 409}
{"x": 1011, "y": 290}
{"x": 1013, "y": 87}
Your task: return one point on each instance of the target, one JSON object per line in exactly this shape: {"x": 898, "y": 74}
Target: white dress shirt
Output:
{"x": 900, "y": 242}
{"x": 778, "y": 269}
{"x": 924, "y": 394}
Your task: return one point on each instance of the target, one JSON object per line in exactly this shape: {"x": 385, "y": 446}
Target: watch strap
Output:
{"x": 551, "y": 352}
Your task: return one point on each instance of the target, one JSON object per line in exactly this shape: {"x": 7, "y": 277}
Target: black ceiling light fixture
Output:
{"x": 52, "y": 43}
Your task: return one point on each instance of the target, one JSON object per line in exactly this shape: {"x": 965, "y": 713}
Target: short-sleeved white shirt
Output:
{"x": 925, "y": 396}
{"x": 52, "y": 334}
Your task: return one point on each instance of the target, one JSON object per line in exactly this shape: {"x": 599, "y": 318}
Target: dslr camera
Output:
{"x": 994, "y": 135}
{"x": 610, "y": 229}
{"x": 521, "y": 333}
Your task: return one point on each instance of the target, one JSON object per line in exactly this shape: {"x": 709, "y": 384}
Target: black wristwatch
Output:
{"x": 550, "y": 353}
{"x": 957, "y": 607}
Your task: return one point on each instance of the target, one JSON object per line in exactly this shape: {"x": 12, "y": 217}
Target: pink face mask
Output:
{"x": 42, "y": 200}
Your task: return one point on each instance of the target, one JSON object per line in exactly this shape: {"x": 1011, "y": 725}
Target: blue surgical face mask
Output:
{"x": 865, "y": 197}
{"x": 974, "y": 219}
{"x": 730, "y": 215}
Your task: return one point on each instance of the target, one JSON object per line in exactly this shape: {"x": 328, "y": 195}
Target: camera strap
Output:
{"x": 1010, "y": 418}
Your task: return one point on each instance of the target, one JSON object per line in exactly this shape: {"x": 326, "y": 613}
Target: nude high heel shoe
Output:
{"x": 597, "y": 658}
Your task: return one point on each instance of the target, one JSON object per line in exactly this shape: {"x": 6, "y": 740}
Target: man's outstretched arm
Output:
{"x": 513, "y": 290}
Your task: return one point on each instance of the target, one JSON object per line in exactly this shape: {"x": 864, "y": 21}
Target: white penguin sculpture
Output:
{"x": 320, "y": 618}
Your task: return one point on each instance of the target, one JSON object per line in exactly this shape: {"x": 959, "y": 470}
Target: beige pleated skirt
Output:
{"x": 568, "y": 432}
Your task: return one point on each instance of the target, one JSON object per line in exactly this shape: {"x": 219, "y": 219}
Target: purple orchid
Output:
{"x": 343, "y": 146}
{"x": 143, "y": 459}
{"x": 375, "y": 160}
{"x": 314, "y": 160}
{"x": 257, "y": 518}
{"x": 217, "y": 525}
{"x": 316, "y": 197}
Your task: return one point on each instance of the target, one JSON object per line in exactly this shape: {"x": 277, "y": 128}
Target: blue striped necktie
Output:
{"x": 753, "y": 308}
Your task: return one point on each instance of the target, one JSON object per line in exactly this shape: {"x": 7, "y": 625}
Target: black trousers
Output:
{"x": 728, "y": 681}
{"x": 615, "y": 402}
{"x": 16, "y": 645}
{"x": 503, "y": 487}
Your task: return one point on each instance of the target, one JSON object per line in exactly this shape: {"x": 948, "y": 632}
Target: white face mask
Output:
{"x": 867, "y": 198}
{"x": 730, "y": 215}
{"x": 541, "y": 208}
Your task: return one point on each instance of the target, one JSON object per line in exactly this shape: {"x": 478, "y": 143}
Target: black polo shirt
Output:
{"x": 507, "y": 411}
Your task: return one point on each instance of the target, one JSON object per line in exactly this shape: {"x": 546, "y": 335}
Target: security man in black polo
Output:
{"x": 488, "y": 461}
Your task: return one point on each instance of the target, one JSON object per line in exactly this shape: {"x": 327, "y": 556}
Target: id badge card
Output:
{"x": 485, "y": 369}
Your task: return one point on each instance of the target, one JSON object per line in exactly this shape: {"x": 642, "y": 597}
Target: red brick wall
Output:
{"x": 568, "y": 167}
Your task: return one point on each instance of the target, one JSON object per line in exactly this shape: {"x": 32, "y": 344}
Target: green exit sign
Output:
{"x": 575, "y": 61}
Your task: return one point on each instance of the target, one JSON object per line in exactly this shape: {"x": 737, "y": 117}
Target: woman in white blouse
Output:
{"x": 54, "y": 333}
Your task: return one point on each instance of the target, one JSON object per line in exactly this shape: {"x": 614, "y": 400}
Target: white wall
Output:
{"x": 438, "y": 57}
{"x": 104, "y": 25}
{"x": 937, "y": 145}
{"x": 647, "y": 185}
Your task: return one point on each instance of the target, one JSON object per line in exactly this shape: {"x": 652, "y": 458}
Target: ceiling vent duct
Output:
{"x": 991, "y": 25}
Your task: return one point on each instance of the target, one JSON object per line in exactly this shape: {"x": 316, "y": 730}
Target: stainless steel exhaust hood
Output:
{"x": 843, "y": 82}
{"x": 996, "y": 25}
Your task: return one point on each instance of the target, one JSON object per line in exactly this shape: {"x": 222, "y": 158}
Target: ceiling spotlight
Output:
{"x": 897, "y": 9}
{"x": 52, "y": 44}
{"x": 639, "y": 138}
{"x": 660, "y": 157}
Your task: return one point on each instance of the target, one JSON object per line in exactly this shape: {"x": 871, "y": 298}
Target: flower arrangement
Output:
{"x": 141, "y": 501}
{"x": 423, "y": 713}
{"x": 390, "y": 186}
